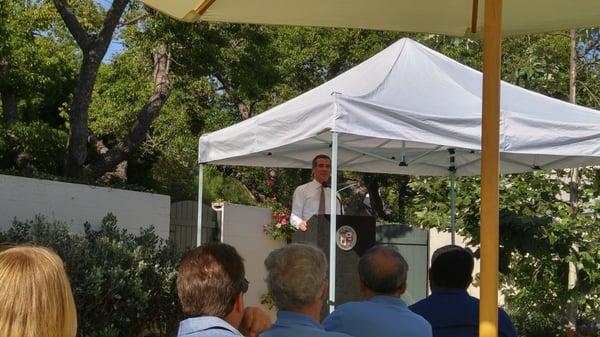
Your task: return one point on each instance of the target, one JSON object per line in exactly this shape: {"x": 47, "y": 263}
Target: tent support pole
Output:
{"x": 333, "y": 220}
{"x": 199, "y": 220}
{"x": 453, "y": 205}
{"x": 490, "y": 139}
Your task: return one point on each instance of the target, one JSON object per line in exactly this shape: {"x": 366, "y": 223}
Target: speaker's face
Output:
{"x": 322, "y": 170}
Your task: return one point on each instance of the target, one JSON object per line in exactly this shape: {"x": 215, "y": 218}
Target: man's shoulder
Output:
{"x": 351, "y": 306}
{"x": 301, "y": 331}
{"x": 305, "y": 185}
{"x": 335, "y": 334}
{"x": 420, "y": 305}
{"x": 439, "y": 303}
{"x": 361, "y": 318}
{"x": 369, "y": 306}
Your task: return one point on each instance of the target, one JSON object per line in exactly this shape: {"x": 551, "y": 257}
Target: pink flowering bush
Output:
{"x": 280, "y": 227}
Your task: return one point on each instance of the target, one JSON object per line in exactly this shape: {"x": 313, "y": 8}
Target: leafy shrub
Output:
{"x": 37, "y": 145}
{"x": 124, "y": 285}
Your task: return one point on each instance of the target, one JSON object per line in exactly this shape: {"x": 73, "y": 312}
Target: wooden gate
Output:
{"x": 413, "y": 244}
{"x": 183, "y": 224}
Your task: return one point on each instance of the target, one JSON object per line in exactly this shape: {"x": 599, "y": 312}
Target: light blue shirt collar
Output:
{"x": 195, "y": 324}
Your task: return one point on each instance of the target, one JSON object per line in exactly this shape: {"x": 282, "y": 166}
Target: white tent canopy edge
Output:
{"x": 409, "y": 110}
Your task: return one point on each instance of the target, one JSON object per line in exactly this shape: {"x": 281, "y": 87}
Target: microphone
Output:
{"x": 348, "y": 186}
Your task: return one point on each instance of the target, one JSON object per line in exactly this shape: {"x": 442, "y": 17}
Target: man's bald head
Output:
{"x": 383, "y": 270}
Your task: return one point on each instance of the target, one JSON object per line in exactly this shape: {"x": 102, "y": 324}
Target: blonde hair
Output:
{"x": 35, "y": 294}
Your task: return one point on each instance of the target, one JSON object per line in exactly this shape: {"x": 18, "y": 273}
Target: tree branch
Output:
{"x": 110, "y": 23}
{"x": 134, "y": 20}
{"x": 243, "y": 108}
{"x": 372, "y": 184}
{"x": 137, "y": 133}
{"x": 81, "y": 36}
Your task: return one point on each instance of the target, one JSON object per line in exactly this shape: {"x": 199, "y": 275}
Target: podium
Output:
{"x": 355, "y": 235}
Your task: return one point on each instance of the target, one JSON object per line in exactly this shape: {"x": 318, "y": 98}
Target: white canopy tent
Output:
{"x": 400, "y": 112}
{"x": 407, "y": 110}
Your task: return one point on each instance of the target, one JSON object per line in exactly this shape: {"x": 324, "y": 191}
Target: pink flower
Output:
{"x": 278, "y": 225}
{"x": 273, "y": 213}
{"x": 284, "y": 221}
{"x": 281, "y": 214}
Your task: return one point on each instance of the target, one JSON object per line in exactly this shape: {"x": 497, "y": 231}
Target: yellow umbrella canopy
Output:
{"x": 490, "y": 19}
{"x": 451, "y": 17}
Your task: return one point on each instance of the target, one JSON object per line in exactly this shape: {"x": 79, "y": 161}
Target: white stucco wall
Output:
{"x": 75, "y": 204}
{"x": 242, "y": 227}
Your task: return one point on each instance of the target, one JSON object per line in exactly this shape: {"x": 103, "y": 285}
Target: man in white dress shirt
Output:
{"x": 313, "y": 197}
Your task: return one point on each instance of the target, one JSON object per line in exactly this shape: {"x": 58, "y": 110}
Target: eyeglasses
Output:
{"x": 244, "y": 285}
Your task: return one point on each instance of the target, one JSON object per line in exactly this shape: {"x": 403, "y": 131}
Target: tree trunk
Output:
{"x": 574, "y": 185}
{"x": 94, "y": 48}
{"x": 146, "y": 115}
{"x": 9, "y": 107}
{"x": 78, "y": 115}
{"x": 372, "y": 183}
{"x": 9, "y": 98}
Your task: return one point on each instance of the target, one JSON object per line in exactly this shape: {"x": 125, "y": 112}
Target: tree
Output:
{"x": 93, "y": 47}
{"x": 94, "y": 44}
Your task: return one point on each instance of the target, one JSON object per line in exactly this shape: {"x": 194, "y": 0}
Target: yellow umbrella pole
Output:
{"x": 490, "y": 138}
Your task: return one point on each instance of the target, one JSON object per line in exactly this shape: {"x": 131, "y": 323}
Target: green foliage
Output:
{"x": 539, "y": 230}
{"x": 542, "y": 63}
{"x": 124, "y": 284}
{"x": 218, "y": 186}
{"x": 311, "y": 56}
{"x": 35, "y": 146}
{"x": 122, "y": 87}
{"x": 40, "y": 61}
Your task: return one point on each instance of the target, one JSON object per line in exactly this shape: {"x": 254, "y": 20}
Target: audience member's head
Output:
{"x": 297, "y": 276}
{"x": 35, "y": 294}
{"x": 451, "y": 267}
{"x": 211, "y": 282}
{"x": 382, "y": 270}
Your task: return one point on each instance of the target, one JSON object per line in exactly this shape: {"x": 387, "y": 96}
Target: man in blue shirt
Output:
{"x": 297, "y": 280}
{"x": 211, "y": 287}
{"x": 449, "y": 308}
{"x": 382, "y": 273}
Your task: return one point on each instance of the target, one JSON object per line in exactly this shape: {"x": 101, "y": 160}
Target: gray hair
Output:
{"x": 295, "y": 275}
{"x": 382, "y": 269}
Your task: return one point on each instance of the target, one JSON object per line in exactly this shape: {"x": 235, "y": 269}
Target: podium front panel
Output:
{"x": 357, "y": 235}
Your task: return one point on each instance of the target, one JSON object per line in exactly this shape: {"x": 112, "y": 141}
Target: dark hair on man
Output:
{"x": 209, "y": 280}
{"x": 319, "y": 156}
{"x": 451, "y": 267}
{"x": 382, "y": 269}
